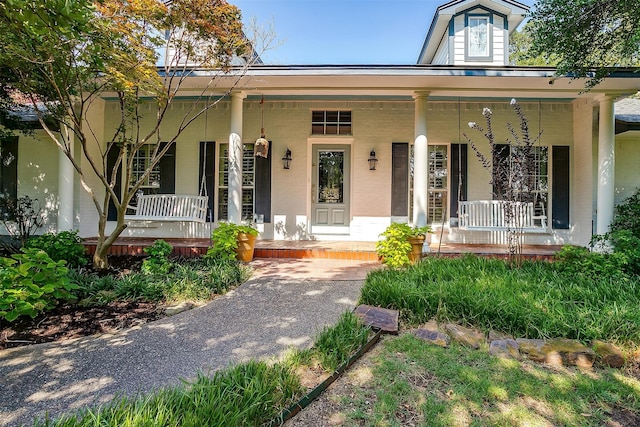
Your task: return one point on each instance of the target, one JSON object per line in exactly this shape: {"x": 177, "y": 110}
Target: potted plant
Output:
{"x": 402, "y": 244}
{"x": 233, "y": 241}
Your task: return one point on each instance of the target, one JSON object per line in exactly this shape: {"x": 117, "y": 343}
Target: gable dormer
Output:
{"x": 472, "y": 32}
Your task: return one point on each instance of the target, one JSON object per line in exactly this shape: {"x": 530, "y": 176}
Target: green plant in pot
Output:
{"x": 402, "y": 244}
{"x": 233, "y": 241}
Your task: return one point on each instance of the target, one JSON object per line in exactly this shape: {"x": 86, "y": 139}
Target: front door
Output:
{"x": 330, "y": 189}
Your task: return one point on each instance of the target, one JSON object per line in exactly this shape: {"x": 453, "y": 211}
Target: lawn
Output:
{"x": 405, "y": 381}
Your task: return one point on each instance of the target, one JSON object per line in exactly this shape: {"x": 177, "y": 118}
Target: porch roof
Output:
{"x": 404, "y": 81}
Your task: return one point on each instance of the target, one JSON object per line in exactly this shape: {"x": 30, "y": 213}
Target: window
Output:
{"x": 437, "y": 184}
{"x": 8, "y": 172}
{"x": 331, "y": 122}
{"x": 141, "y": 161}
{"x": 248, "y": 182}
{"x": 478, "y": 37}
{"x": 531, "y": 186}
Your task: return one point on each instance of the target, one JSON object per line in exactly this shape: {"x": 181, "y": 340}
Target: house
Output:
{"x": 353, "y": 148}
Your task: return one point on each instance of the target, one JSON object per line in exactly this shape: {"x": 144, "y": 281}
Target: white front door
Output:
{"x": 330, "y": 189}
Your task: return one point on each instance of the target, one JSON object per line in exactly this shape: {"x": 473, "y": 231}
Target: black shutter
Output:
{"x": 112, "y": 157}
{"x": 500, "y": 168}
{"x": 208, "y": 169}
{"x": 9, "y": 167}
{"x": 400, "y": 179}
{"x": 560, "y": 187}
{"x": 263, "y": 186}
{"x": 168, "y": 170}
{"x": 458, "y": 177}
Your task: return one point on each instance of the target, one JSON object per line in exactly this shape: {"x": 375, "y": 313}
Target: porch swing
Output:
{"x": 174, "y": 207}
{"x": 489, "y": 215}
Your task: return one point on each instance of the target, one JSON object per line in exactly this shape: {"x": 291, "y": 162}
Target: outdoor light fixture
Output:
{"x": 286, "y": 160}
{"x": 261, "y": 147}
{"x": 372, "y": 160}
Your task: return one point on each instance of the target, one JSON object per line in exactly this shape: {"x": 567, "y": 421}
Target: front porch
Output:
{"x": 304, "y": 249}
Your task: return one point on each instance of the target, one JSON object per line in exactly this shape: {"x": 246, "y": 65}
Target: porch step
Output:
{"x": 301, "y": 249}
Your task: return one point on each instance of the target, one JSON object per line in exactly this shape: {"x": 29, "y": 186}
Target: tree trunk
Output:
{"x": 100, "y": 257}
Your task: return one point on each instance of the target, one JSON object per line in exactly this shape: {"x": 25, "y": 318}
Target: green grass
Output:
{"x": 245, "y": 395}
{"x": 408, "y": 381}
{"x": 195, "y": 279}
{"x": 538, "y": 300}
{"x": 335, "y": 344}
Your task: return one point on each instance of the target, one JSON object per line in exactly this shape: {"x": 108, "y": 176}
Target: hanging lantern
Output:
{"x": 261, "y": 147}
{"x": 372, "y": 160}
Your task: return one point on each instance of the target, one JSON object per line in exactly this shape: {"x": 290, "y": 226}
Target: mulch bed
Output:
{"x": 71, "y": 321}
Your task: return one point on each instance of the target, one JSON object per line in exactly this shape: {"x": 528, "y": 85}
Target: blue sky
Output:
{"x": 342, "y": 32}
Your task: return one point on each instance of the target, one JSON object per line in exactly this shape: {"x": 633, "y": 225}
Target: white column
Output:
{"x": 235, "y": 159}
{"x": 65, "y": 184}
{"x": 606, "y": 166}
{"x": 420, "y": 160}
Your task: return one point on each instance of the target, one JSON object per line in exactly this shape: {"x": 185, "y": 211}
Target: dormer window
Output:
{"x": 478, "y": 46}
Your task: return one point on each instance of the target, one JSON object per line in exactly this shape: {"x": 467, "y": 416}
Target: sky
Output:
{"x": 339, "y": 32}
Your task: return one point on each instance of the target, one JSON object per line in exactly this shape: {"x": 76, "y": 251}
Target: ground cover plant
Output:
{"x": 405, "y": 381}
{"x": 537, "y": 300}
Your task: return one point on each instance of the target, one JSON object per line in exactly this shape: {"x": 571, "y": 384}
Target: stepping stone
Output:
{"x": 382, "y": 318}
{"x": 505, "y": 349}
{"x": 465, "y": 336}
{"x": 433, "y": 337}
{"x": 608, "y": 353}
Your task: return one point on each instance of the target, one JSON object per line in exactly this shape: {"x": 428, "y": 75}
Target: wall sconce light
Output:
{"x": 372, "y": 160}
{"x": 286, "y": 160}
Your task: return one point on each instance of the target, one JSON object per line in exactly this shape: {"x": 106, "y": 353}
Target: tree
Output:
{"x": 521, "y": 52}
{"x": 591, "y": 38}
{"x": 62, "y": 55}
{"x": 513, "y": 172}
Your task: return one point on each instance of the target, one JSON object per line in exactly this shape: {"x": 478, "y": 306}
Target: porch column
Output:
{"x": 235, "y": 159}
{"x": 606, "y": 165}
{"x": 65, "y": 183}
{"x": 420, "y": 160}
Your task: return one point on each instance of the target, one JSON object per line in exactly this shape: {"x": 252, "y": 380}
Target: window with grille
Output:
{"x": 248, "y": 182}
{"x": 478, "y": 37}
{"x": 331, "y": 122}
{"x": 437, "y": 185}
{"x": 529, "y": 186}
{"x": 141, "y": 161}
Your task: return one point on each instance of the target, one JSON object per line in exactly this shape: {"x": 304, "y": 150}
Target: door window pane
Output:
{"x": 330, "y": 176}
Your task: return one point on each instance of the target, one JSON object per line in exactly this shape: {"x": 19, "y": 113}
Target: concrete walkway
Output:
{"x": 286, "y": 303}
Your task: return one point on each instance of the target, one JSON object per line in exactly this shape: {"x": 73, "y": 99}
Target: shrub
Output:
{"x": 395, "y": 248}
{"x": 579, "y": 261}
{"x": 225, "y": 240}
{"x": 158, "y": 260}
{"x": 32, "y": 282}
{"x": 65, "y": 245}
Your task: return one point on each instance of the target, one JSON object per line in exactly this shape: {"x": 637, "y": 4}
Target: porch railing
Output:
{"x": 490, "y": 215}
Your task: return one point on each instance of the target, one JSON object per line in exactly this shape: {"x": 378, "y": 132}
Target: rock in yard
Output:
{"x": 433, "y": 336}
{"x": 562, "y": 351}
{"x": 465, "y": 336}
{"x": 505, "y": 349}
{"x": 179, "y": 308}
{"x": 533, "y": 349}
{"x": 378, "y": 317}
{"x": 498, "y": 336}
{"x": 608, "y": 353}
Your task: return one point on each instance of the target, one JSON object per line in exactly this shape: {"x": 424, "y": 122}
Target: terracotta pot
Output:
{"x": 246, "y": 244}
{"x": 417, "y": 243}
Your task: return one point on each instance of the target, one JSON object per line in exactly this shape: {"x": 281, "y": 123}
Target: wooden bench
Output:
{"x": 490, "y": 215}
{"x": 169, "y": 207}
